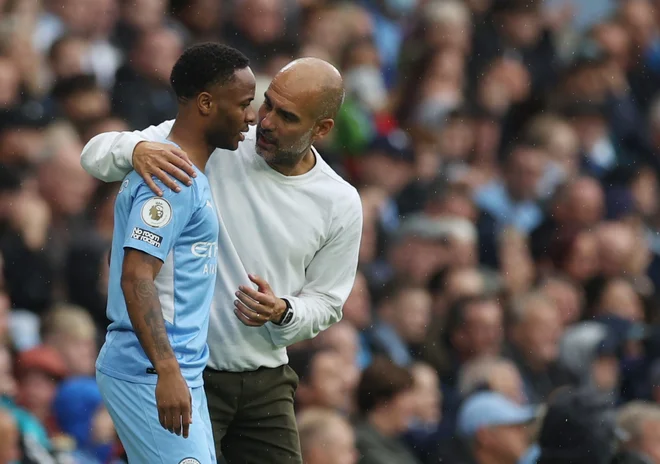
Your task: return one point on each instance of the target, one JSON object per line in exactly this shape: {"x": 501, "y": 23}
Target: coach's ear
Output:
{"x": 323, "y": 128}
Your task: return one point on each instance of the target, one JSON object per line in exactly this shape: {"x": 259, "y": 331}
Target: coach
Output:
{"x": 290, "y": 232}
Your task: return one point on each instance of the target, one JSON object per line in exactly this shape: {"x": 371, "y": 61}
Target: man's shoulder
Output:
{"x": 343, "y": 191}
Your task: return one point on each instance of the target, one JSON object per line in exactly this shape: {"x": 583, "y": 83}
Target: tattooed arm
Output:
{"x": 172, "y": 395}
{"x": 137, "y": 281}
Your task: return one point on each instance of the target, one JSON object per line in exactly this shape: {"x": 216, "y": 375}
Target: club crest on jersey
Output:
{"x": 156, "y": 212}
{"x": 189, "y": 461}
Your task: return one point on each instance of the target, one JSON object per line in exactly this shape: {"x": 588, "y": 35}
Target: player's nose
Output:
{"x": 250, "y": 115}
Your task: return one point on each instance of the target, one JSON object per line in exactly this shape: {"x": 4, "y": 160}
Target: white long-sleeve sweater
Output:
{"x": 300, "y": 233}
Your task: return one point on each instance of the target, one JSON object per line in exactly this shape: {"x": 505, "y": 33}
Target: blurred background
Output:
{"x": 507, "y": 153}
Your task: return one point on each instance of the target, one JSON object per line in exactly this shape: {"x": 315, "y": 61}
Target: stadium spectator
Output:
{"x": 39, "y": 371}
{"x": 9, "y": 449}
{"x": 553, "y": 107}
{"x": 535, "y": 331}
{"x": 386, "y": 406}
{"x": 640, "y": 422}
{"x": 80, "y": 413}
{"x": 326, "y": 438}
{"x": 322, "y": 380}
{"x": 494, "y": 428}
{"x": 71, "y": 331}
{"x": 496, "y": 374}
{"x": 403, "y": 318}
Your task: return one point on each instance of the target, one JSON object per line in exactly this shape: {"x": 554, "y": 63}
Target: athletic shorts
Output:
{"x": 133, "y": 409}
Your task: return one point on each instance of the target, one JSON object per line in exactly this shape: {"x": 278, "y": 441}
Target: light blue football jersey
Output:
{"x": 180, "y": 229}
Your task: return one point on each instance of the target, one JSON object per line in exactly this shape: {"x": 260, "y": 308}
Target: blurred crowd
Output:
{"x": 507, "y": 153}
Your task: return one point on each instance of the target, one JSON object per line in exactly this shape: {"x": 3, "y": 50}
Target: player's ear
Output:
{"x": 204, "y": 103}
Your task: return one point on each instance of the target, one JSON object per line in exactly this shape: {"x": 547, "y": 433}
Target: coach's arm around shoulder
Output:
{"x": 111, "y": 155}
{"x": 328, "y": 281}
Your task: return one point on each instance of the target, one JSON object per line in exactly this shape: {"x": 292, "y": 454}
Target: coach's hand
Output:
{"x": 256, "y": 307}
{"x": 162, "y": 160}
{"x": 174, "y": 402}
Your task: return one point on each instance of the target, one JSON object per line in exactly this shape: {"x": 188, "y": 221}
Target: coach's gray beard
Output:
{"x": 289, "y": 157}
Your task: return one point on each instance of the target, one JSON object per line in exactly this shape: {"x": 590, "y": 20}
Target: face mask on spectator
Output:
{"x": 366, "y": 83}
{"x": 434, "y": 109}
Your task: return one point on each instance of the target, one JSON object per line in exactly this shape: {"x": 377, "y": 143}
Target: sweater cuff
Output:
{"x": 124, "y": 148}
{"x": 283, "y": 334}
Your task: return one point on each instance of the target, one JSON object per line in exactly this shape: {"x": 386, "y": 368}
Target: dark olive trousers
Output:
{"x": 252, "y": 415}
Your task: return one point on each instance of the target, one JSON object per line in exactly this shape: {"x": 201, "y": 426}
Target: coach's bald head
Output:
{"x": 315, "y": 80}
{"x": 299, "y": 109}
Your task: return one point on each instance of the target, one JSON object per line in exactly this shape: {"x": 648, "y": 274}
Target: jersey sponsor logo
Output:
{"x": 204, "y": 249}
{"x": 156, "y": 212}
{"x": 146, "y": 237}
{"x": 189, "y": 461}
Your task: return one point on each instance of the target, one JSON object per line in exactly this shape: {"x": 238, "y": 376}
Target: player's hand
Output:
{"x": 163, "y": 161}
{"x": 256, "y": 307}
{"x": 174, "y": 402}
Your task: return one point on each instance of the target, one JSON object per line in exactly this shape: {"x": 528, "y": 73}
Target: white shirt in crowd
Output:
{"x": 300, "y": 233}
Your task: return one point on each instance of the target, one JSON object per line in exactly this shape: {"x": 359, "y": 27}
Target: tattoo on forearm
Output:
{"x": 143, "y": 305}
{"x": 146, "y": 298}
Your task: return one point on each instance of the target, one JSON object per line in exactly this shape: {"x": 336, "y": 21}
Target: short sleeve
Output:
{"x": 155, "y": 223}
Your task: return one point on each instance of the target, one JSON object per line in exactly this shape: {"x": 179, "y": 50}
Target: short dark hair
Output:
{"x": 302, "y": 360}
{"x": 70, "y": 86}
{"x": 204, "y": 65}
{"x": 456, "y": 313}
{"x": 381, "y": 381}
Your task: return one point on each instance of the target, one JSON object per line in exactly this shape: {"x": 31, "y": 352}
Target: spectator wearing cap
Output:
{"x": 578, "y": 428}
{"x": 495, "y": 428}
{"x": 39, "y": 371}
{"x": 640, "y": 423}
{"x": 386, "y": 405}
{"x": 326, "y": 438}
{"x": 534, "y": 332}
